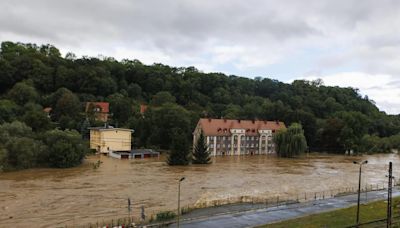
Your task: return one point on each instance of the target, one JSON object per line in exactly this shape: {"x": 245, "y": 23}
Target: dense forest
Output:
{"x": 33, "y": 77}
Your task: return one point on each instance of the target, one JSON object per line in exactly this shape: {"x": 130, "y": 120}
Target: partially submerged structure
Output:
{"x": 135, "y": 154}
{"x": 107, "y": 139}
{"x": 237, "y": 137}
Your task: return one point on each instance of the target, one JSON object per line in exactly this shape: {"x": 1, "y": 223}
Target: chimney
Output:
{"x": 224, "y": 120}
{"x": 209, "y": 119}
{"x": 253, "y": 121}
{"x": 238, "y": 121}
{"x": 277, "y": 122}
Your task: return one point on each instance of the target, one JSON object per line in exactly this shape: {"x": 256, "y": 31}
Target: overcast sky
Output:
{"x": 344, "y": 42}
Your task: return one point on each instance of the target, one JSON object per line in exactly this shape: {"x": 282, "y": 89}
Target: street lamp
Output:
{"x": 179, "y": 198}
{"x": 359, "y": 189}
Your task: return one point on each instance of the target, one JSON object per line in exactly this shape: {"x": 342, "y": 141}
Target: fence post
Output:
{"x": 315, "y": 196}
{"x": 323, "y": 195}
{"x": 277, "y": 201}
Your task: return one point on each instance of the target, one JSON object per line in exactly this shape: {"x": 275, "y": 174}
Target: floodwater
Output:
{"x": 77, "y": 196}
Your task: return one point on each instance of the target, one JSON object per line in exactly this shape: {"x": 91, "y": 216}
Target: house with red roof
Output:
{"x": 100, "y": 110}
{"x": 237, "y": 137}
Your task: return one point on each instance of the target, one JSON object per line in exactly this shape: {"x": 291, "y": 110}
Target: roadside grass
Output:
{"x": 341, "y": 217}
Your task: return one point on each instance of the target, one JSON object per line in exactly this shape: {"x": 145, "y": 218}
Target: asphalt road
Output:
{"x": 284, "y": 212}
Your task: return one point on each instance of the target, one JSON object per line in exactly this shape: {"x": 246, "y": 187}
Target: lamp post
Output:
{"x": 359, "y": 189}
{"x": 179, "y": 199}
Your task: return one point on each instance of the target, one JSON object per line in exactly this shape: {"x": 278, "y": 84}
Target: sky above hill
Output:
{"x": 345, "y": 42}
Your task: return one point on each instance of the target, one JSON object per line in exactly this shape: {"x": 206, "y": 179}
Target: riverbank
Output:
{"x": 371, "y": 214}
{"x": 279, "y": 216}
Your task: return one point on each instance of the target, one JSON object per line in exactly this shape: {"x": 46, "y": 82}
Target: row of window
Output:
{"x": 223, "y": 138}
{"x": 241, "y": 153}
{"x": 235, "y": 145}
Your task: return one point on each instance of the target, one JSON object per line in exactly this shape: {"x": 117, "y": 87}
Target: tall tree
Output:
{"x": 179, "y": 151}
{"x": 290, "y": 142}
{"x": 201, "y": 155}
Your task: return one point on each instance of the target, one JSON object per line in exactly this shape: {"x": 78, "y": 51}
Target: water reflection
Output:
{"x": 80, "y": 195}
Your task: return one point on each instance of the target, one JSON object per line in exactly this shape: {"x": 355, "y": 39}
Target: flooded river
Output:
{"x": 57, "y": 197}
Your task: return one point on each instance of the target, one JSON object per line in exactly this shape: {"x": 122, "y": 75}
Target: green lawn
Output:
{"x": 342, "y": 217}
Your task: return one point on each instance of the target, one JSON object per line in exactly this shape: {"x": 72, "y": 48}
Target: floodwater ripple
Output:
{"x": 49, "y": 197}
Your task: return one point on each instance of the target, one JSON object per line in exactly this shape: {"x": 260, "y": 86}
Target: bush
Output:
{"x": 165, "y": 215}
{"x": 65, "y": 148}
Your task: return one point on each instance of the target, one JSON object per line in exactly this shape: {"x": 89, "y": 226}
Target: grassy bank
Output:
{"x": 342, "y": 217}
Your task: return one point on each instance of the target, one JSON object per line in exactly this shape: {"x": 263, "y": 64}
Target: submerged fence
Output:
{"x": 151, "y": 218}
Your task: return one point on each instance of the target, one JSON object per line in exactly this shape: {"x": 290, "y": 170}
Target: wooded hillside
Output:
{"x": 34, "y": 77}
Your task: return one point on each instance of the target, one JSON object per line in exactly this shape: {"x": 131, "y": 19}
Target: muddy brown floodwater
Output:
{"x": 58, "y": 197}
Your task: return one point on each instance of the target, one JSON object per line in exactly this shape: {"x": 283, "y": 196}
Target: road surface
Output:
{"x": 284, "y": 212}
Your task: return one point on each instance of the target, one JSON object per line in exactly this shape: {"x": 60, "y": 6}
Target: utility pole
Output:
{"x": 389, "y": 200}
{"x": 359, "y": 190}
{"x": 179, "y": 199}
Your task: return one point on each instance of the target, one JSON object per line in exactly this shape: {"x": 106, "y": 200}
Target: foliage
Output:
{"x": 179, "y": 151}
{"x": 165, "y": 216}
{"x": 201, "y": 155}
{"x": 20, "y": 148}
{"x": 290, "y": 142}
{"x": 334, "y": 119}
{"x": 65, "y": 148}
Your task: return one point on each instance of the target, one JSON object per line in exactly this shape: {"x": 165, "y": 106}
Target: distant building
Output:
{"x": 143, "y": 108}
{"x": 237, "y": 137}
{"x": 48, "y": 111}
{"x": 107, "y": 139}
{"x": 100, "y": 110}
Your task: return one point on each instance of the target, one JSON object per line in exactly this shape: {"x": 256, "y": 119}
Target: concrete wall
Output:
{"x": 106, "y": 140}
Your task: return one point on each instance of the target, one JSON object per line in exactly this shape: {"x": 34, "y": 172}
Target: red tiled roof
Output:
{"x": 223, "y": 126}
{"x": 104, "y": 106}
{"x": 47, "y": 109}
{"x": 143, "y": 108}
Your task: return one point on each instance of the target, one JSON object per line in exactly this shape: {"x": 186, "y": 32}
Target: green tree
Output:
{"x": 161, "y": 98}
{"x": 23, "y": 93}
{"x": 8, "y": 111}
{"x": 179, "y": 151}
{"x": 65, "y": 148}
{"x": 201, "y": 155}
{"x": 290, "y": 142}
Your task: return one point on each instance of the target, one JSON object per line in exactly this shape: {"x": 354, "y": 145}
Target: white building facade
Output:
{"x": 237, "y": 137}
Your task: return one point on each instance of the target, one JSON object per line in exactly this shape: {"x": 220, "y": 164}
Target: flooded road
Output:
{"x": 76, "y": 196}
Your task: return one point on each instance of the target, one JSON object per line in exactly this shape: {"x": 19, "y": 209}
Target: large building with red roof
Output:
{"x": 237, "y": 137}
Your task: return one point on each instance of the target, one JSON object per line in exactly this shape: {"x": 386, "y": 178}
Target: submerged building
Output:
{"x": 237, "y": 137}
{"x": 107, "y": 139}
